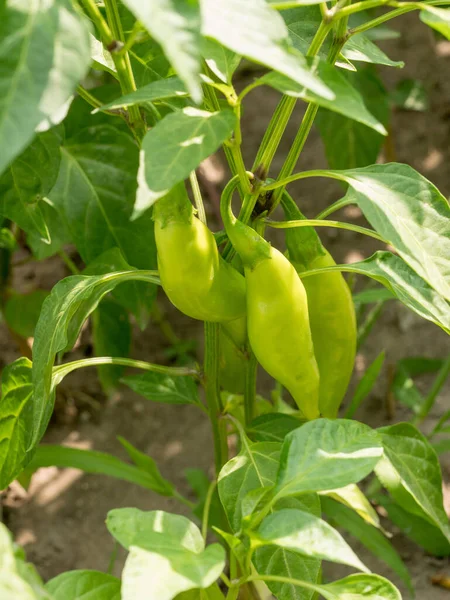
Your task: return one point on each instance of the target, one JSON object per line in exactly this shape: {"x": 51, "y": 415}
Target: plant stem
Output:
{"x": 438, "y": 383}
{"x": 324, "y": 223}
{"x": 345, "y": 201}
{"x": 90, "y": 99}
{"x": 206, "y": 509}
{"x": 197, "y": 197}
{"x": 280, "y": 579}
{"x": 303, "y": 175}
{"x": 213, "y": 401}
{"x": 63, "y": 370}
{"x": 250, "y": 388}
{"x": 69, "y": 262}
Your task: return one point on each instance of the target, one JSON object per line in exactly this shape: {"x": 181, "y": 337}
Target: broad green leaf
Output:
{"x": 254, "y": 467}
{"x": 374, "y": 540}
{"x": 21, "y": 312}
{"x": 353, "y": 497}
{"x": 306, "y": 534}
{"x": 221, "y": 61}
{"x": 15, "y": 419}
{"x": 348, "y": 101}
{"x": 111, "y": 336}
{"x": 365, "y": 385}
{"x": 147, "y": 464}
{"x": 359, "y": 48}
{"x": 167, "y": 554}
{"x": 63, "y": 313}
{"x": 326, "y": 454}
{"x": 100, "y": 463}
{"x": 257, "y": 32}
{"x": 83, "y": 585}
{"x": 159, "y": 387}
{"x": 95, "y": 192}
{"x": 369, "y": 587}
{"x": 57, "y": 229}
{"x": 410, "y": 213}
{"x": 437, "y": 18}
{"x": 415, "y": 293}
{"x": 175, "y": 147}
{"x": 44, "y": 53}
{"x": 419, "y": 530}
{"x": 411, "y": 468}
{"x": 349, "y": 144}
{"x": 410, "y": 94}
{"x": 172, "y": 87}
{"x": 272, "y": 427}
{"x": 29, "y": 178}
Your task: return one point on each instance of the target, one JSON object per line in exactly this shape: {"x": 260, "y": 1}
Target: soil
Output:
{"x": 60, "y": 521}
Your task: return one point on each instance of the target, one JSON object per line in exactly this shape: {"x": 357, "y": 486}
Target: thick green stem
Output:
{"x": 212, "y": 392}
{"x": 207, "y": 508}
{"x": 325, "y": 223}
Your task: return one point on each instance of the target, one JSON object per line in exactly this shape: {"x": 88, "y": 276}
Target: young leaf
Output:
{"x": 347, "y": 102}
{"x": 254, "y": 30}
{"x": 415, "y": 293}
{"x": 410, "y": 213}
{"x": 352, "y": 496}
{"x": 63, "y": 313}
{"x": 411, "y": 471}
{"x": 306, "y": 534}
{"x": 21, "y": 312}
{"x": 371, "y": 538}
{"x": 158, "y": 387}
{"x": 360, "y": 48}
{"x": 172, "y": 87}
{"x": 29, "y": 178}
{"x": 175, "y": 147}
{"x": 16, "y": 419}
{"x": 175, "y": 24}
{"x": 365, "y": 385}
{"x": 326, "y": 454}
{"x": 44, "y": 51}
{"x": 111, "y": 336}
{"x": 369, "y": 587}
{"x": 349, "y": 144}
{"x": 100, "y": 463}
{"x": 76, "y": 585}
{"x": 272, "y": 427}
{"x": 437, "y": 18}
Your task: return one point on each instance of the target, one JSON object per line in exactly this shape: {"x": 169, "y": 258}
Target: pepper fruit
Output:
{"x": 331, "y": 311}
{"x": 277, "y": 312}
{"x": 194, "y": 276}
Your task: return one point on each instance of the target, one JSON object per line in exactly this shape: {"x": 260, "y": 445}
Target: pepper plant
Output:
{"x": 106, "y": 111}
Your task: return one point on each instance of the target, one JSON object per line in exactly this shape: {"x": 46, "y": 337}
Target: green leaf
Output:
{"x": 365, "y": 385}
{"x": 411, "y": 471}
{"x": 419, "y": 530}
{"x": 348, "y": 101}
{"x": 44, "y": 53}
{"x": 81, "y": 585}
{"x": 349, "y": 144}
{"x": 29, "y": 573}
{"x": 405, "y": 284}
{"x": 147, "y": 464}
{"x": 352, "y": 497}
{"x": 254, "y": 30}
{"x": 369, "y": 587}
{"x": 221, "y": 61}
{"x": 111, "y": 336}
{"x": 29, "y": 178}
{"x": 254, "y": 467}
{"x": 103, "y": 60}
{"x": 14, "y": 579}
{"x": 437, "y": 18}
{"x": 16, "y": 419}
{"x": 57, "y": 229}
{"x": 410, "y": 213}
{"x": 285, "y": 4}
{"x": 175, "y": 24}
{"x": 167, "y": 554}
{"x": 272, "y": 427}
{"x": 95, "y": 192}
{"x": 172, "y": 87}
{"x": 100, "y": 463}
{"x": 21, "y": 312}
{"x": 306, "y": 534}
{"x": 63, "y": 313}
{"x": 13, "y": 587}
{"x": 410, "y": 94}
{"x": 325, "y": 454}
{"x": 360, "y": 48}
{"x": 374, "y": 540}
{"x": 159, "y": 387}
{"x": 175, "y": 147}
{"x": 371, "y": 296}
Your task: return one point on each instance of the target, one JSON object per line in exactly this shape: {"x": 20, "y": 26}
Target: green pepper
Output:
{"x": 194, "y": 276}
{"x": 331, "y": 311}
{"x": 277, "y": 312}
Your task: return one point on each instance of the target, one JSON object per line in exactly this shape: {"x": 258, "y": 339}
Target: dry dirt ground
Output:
{"x": 61, "y": 520}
